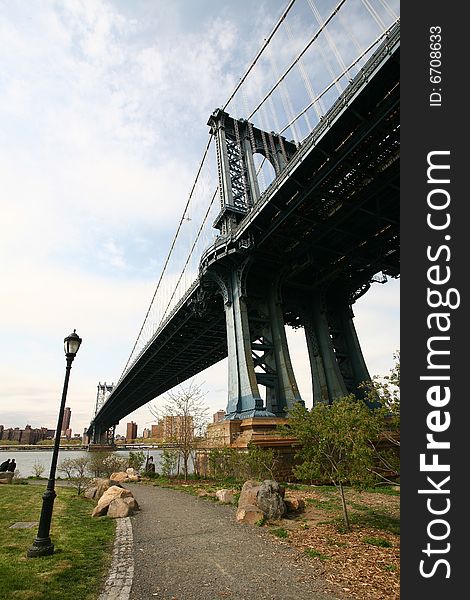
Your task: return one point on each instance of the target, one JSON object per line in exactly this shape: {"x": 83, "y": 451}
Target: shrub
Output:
{"x": 103, "y": 464}
{"x": 136, "y": 460}
{"x": 75, "y": 469}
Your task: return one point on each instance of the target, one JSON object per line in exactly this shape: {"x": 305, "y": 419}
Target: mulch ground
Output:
{"x": 351, "y": 560}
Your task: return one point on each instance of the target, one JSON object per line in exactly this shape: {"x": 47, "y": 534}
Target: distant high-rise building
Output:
{"x": 218, "y": 416}
{"x": 66, "y": 421}
{"x": 131, "y": 431}
{"x": 177, "y": 428}
{"x": 157, "y": 431}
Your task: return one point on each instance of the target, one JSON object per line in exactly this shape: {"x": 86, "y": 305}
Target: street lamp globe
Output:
{"x": 72, "y": 344}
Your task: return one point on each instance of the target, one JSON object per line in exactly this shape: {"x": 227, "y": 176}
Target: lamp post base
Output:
{"x": 41, "y": 547}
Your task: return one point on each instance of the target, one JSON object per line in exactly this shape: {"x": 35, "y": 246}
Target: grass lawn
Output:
{"x": 83, "y": 547}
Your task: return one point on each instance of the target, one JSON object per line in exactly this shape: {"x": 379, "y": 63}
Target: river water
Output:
{"x": 26, "y": 459}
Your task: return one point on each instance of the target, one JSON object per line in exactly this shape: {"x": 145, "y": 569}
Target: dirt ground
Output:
{"x": 364, "y": 562}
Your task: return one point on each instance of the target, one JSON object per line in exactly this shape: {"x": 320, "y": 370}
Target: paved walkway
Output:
{"x": 187, "y": 548}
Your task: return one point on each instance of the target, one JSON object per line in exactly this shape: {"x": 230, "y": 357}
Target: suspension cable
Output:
{"x": 190, "y": 252}
{"x": 297, "y": 58}
{"x": 328, "y": 87}
{"x": 260, "y": 52}
{"x": 167, "y": 260}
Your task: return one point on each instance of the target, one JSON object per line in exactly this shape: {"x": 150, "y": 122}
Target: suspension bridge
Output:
{"x": 292, "y": 215}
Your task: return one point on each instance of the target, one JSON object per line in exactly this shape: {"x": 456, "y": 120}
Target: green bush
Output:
{"x": 136, "y": 460}
{"x": 255, "y": 463}
{"x": 103, "y": 464}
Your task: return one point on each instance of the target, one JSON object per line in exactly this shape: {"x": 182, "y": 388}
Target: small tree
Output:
{"x": 136, "y": 460}
{"x": 184, "y": 418}
{"x": 38, "y": 468}
{"x": 75, "y": 469}
{"x": 387, "y": 389}
{"x": 169, "y": 462}
{"x": 336, "y": 444}
{"x": 104, "y": 464}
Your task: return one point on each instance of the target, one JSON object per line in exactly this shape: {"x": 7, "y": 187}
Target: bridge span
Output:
{"x": 299, "y": 254}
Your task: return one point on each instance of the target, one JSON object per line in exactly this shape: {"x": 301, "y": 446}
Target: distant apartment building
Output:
{"x": 177, "y": 427}
{"x": 65, "y": 421}
{"x": 218, "y": 416}
{"x": 131, "y": 431}
{"x": 27, "y": 436}
{"x": 157, "y": 431}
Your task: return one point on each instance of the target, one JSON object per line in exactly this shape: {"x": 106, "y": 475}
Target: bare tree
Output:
{"x": 38, "y": 468}
{"x": 75, "y": 469}
{"x": 184, "y": 418}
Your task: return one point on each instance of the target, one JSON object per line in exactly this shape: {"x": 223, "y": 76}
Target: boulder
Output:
{"x": 109, "y": 495}
{"x": 119, "y": 476}
{"x": 266, "y": 496}
{"x": 225, "y": 496}
{"x": 249, "y": 493}
{"x": 270, "y": 499}
{"x": 6, "y": 476}
{"x": 200, "y": 493}
{"x": 97, "y": 488}
{"x": 122, "y": 507}
{"x": 125, "y": 476}
{"x": 294, "y": 504}
{"x": 250, "y": 514}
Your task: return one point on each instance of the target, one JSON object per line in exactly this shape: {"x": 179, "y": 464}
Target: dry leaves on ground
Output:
{"x": 362, "y": 564}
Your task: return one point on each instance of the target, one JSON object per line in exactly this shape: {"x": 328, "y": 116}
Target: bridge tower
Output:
{"x": 258, "y": 297}
{"x": 256, "y": 339}
{"x": 104, "y": 391}
{"x": 102, "y": 438}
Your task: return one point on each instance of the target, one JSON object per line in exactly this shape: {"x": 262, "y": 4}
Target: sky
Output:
{"x": 103, "y": 112}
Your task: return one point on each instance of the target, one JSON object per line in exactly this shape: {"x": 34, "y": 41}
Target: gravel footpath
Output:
{"x": 187, "y": 548}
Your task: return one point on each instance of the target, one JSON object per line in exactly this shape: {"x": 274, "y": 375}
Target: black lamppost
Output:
{"x": 42, "y": 545}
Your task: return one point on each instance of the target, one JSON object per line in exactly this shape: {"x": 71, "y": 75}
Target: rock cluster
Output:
{"x": 116, "y": 502}
{"x": 113, "y": 500}
{"x": 125, "y": 476}
{"x": 260, "y": 501}
{"x": 6, "y": 476}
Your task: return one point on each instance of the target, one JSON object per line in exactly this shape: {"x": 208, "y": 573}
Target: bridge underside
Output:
{"x": 301, "y": 256}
